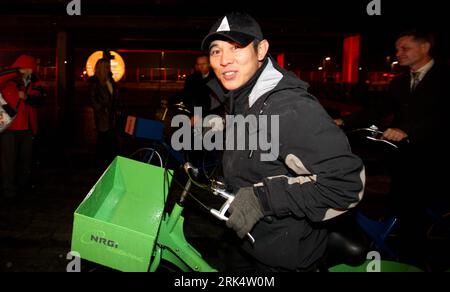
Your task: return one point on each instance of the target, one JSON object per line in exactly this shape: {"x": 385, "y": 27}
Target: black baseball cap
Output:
{"x": 236, "y": 26}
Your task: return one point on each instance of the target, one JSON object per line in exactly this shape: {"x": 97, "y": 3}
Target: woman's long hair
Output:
{"x": 103, "y": 70}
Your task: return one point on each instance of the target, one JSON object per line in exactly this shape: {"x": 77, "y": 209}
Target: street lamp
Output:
{"x": 325, "y": 63}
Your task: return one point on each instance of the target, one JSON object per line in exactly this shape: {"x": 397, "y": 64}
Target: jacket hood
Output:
{"x": 275, "y": 79}
{"x": 26, "y": 62}
{"x": 272, "y": 79}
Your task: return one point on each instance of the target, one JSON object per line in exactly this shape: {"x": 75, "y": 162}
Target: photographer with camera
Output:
{"x": 25, "y": 93}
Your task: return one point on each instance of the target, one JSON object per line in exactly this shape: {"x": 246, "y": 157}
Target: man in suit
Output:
{"x": 195, "y": 92}
{"x": 418, "y": 105}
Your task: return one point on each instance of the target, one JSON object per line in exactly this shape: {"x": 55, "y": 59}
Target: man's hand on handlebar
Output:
{"x": 394, "y": 134}
{"x": 245, "y": 211}
{"x": 339, "y": 122}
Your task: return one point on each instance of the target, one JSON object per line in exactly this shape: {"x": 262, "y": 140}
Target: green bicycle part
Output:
{"x": 176, "y": 249}
{"x": 117, "y": 223}
{"x": 385, "y": 266}
{"x": 156, "y": 259}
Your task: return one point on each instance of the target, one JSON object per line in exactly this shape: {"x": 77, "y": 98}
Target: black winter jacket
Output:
{"x": 312, "y": 175}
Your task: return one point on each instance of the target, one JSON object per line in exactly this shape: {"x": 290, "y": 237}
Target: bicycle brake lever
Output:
{"x": 382, "y": 140}
{"x": 229, "y": 199}
{"x": 374, "y": 131}
{"x": 220, "y": 214}
{"x": 190, "y": 169}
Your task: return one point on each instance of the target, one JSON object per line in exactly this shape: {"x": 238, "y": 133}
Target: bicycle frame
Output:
{"x": 172, "y": 245}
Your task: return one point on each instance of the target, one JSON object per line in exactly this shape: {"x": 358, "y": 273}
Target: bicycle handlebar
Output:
{"x": 217, "y": 188}
{"x": 374, "y": 129}
{"x": 375, "y": 133}
{"x": 383, "y": 141}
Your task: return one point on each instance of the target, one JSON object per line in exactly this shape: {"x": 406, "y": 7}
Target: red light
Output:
{"x": 350, "y": 62}
{"x": 280, "y": 60}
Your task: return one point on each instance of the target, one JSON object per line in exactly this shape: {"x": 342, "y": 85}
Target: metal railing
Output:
{"x": 131, "y": 74}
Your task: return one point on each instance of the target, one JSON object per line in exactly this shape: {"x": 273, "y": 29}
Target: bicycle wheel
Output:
{"x": 148, "y": 155}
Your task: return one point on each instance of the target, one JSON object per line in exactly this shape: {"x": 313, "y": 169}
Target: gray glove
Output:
{"x": 245, "y": 211}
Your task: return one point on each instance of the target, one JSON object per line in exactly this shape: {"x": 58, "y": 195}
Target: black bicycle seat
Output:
{"x": 347, "y": 243}
{"x": 345, "y": 249}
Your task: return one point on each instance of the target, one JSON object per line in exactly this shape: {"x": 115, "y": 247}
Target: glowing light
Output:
{"x": 327, "y": 59}
{"x": 320, "y": 68}
{"x": 350, "y": 59}
{"x": 280, "y": 60}
{"x": 117, "y": 64}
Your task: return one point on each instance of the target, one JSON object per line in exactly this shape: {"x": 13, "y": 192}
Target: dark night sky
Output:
{"x": 307, "y": 30}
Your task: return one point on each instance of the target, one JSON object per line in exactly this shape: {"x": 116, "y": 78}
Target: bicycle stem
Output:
{"x": 178, "y": 208}
{"x": 185, "y": 192}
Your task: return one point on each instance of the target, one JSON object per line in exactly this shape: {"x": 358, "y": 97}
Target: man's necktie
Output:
{"x": 416, "y": 80}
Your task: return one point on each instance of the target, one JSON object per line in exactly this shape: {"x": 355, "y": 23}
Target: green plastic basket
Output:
{"x": 117, "y": 223}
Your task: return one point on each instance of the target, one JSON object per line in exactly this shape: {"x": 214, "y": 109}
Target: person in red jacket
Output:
{"x": 9, "y": 74}
{"x": 7, "y": 110}
{"x": 22, "y": 92}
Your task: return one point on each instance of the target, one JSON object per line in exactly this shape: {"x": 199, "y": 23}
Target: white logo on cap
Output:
{"x": 224, "y": 26}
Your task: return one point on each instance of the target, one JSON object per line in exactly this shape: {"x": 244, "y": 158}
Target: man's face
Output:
{"x": 26, "y": 72}
{"x": 232, "y": 63}
{"x": 412, "y": 53}
{"x": 202, "y": 65}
